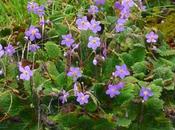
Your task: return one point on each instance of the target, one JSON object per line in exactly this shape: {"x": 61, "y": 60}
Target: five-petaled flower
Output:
{"x": 145, "y": 93}
{"x": 26, "y": 72}
{"x": 67, "y": 40}
{"x": 82, "y": 98}
{"x": 93, "y": 9}
{"x": 95, "y": 26}
{"x": 121, "y": 71}
{"x": 94, "y": 42}
{"x": 40, "y": 11}
{"x": 33, "y": 33}
{"x": 9, "y": 50}
{"x": 120, "y": 25}
{"x": 64, "y": 96}
{"x": 32, "y": 6}
{"x": 74, "y": 72}
{"x": 117, "y": 5}
{"x": 151, "y": 37}
{"x": 83, "y": 23}
{"x": 114, "y": 90}
{"x": 33, "y": 47}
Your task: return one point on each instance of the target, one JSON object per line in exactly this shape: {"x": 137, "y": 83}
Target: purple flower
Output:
{"x": 64, "y": 96}
{"x": 74, "y": 72}
{"x": 99, "y": 2}
{"x": 9, "y": 50}
{"x": 125, "y": 13}
{"x": 33, "y": 33}
{"x": 67, "y": 40}
{"x": 120, "y": 85}
{"x": 112, "y": 90}
{"x": 94, "y": 42}
{"x": 83, "y": 23}
{"x": 1, "y": 51}
{"x": 151, "y": 37}
{"x": 93, "y": 9}
{"x": 32, "y": 6}
{"x": 142, "y": 7}
{"x": 95, "y": 26}
{"x": 145, "y": 93}
{"x": 82, "y": 98}
{"x": 117, "y": 5}
{"x": 33, "y": 47}
{"x": 26, "y": 73}
{"x": 121, "y": 71}
{"x": 128, "y": 3}
{"x": 42, "y": 22}
{"x": 121, "y": 21}
{"x": 119, "y": 28}
{"x": 39, "y": 11}
{"x": 120, "y": 25}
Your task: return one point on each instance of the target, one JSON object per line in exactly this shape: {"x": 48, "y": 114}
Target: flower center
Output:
{"x": 33, "y": 32}
{"x": 83, "y": 22}
{"x": 94, "y": 41}
{"x": 83, "y": 98}
{"x": 74, "y": 74}
{"x": 121, "y": 70}
{"x": 67, "y": 39}
{"x": 25, "y": 72}
{"x": 113, "y": 89}
{"x": 145, "y": 93}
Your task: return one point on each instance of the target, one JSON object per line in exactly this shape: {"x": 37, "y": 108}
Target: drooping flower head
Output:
{"x": 67, "y": 40}
{"x": 1, "y": 51}
{"x": 94, "y": 42}
{"x": 95, "y": 26}
{"x": 33, "y": 33}
{"x": 121, "y": 71}
{"x": 112, "y": 90}
{"x": 32, "y": 6}
{"x": 99, "y": 2}
{"x": 145, "y": 93}
{"x": 151, "y": 37}
{"x": 93, "y": 9}
{"x": 74, "y": 72}
{"x": 82, "y": 98}
{"x": 64, "y": 96}
{"x": 83, "y": 23}
{"x": 9, "y": 50}
{"x": 26, "y": 73}
{"x": 33, "y": 47}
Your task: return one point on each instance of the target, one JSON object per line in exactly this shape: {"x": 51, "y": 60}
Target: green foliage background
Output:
{"x": 33, "y": 107}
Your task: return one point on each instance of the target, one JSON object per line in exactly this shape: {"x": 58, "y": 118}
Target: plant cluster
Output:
{"x": 97, "y": 67}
